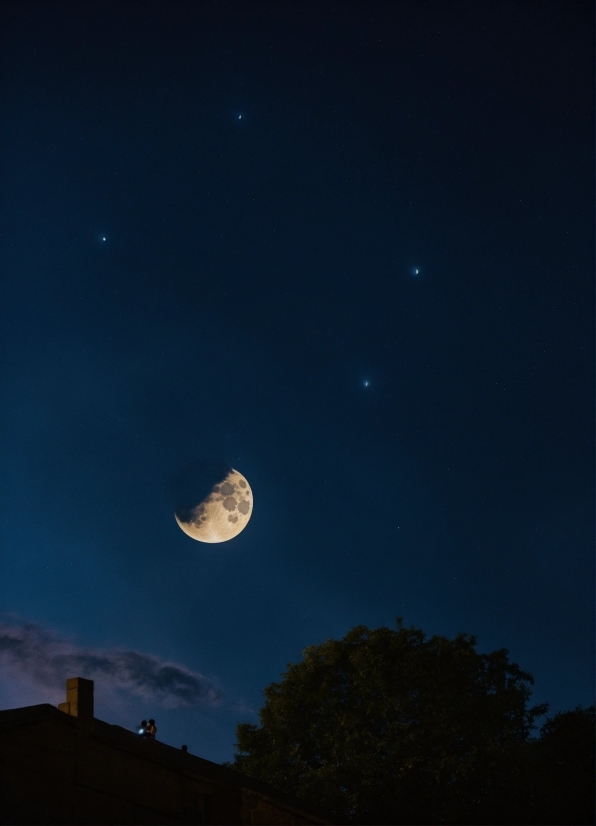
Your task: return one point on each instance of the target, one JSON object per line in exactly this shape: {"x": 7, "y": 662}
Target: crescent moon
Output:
{"x": 223, "y": 513}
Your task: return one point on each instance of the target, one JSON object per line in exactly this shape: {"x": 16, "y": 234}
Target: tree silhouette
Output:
{"x": 389, "y": 726}
{"x": 562, "y": 769}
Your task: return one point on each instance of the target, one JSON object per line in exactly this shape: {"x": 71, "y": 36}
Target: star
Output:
{"x": 103, "y": 238}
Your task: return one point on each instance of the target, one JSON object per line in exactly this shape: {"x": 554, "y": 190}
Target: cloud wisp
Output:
{"x": 45, "y": 659}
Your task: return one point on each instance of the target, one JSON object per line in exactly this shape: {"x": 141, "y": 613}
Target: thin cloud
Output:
{"x": 46, "y": 660}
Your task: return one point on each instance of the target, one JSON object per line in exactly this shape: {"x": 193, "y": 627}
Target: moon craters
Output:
{"x": 222, "y": 514}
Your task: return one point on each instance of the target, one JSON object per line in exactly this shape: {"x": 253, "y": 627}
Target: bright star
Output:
{"x": 103, "y": 238}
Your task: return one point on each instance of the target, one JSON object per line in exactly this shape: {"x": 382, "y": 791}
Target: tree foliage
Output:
{"x": 389, "y": 726}
{"x": 562, "y": 769}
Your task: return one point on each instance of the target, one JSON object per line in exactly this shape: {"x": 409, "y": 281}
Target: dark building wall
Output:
{"x": 55, "y": 768}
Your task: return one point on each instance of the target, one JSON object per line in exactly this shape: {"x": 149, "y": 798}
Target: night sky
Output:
{"x": 344, "y": 247}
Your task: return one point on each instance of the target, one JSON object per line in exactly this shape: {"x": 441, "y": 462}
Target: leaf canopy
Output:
{"x": 389, "y": 726}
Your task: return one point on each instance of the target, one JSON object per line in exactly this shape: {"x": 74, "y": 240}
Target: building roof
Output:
{"x": 46, "y": 715}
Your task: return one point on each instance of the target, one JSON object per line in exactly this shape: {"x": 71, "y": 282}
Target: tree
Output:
{"x": 562, "y": 769}
{"x": 387, "y": 726}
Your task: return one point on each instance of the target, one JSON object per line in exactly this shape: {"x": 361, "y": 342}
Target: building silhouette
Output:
{"x": 63, "y": 766}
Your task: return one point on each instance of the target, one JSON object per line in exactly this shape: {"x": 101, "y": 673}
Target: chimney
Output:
{"x": 79, "y": 698}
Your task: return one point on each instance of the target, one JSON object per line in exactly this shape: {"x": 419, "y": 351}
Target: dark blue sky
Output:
{"x": 267, "y": 177}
